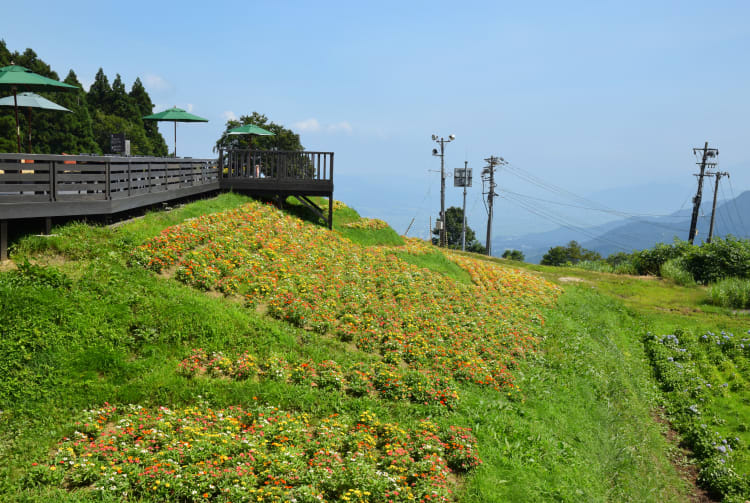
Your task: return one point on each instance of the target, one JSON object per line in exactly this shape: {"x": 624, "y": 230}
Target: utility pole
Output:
{"x": 488, "y": 175}
{"x": 462, "y": 178}
{"x": 707, "y": 153}
{"x": 718, "y": 176}
{"x": 442, "y": 141}
{"x": 463, "y": 211}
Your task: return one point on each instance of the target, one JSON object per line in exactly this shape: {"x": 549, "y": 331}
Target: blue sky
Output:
{"x": 604, "y": 99}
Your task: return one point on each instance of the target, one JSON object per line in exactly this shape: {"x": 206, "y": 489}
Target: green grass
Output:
{"x": 88, "y": 328}
{"x": 436, "y": 262}
{"x": 584, "y": 431}
{"x": 731, "y": 293}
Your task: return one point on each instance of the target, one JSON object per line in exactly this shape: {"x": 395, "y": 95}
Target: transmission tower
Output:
{"x": 488, "y": 175}
{"x": 706, "y": 154}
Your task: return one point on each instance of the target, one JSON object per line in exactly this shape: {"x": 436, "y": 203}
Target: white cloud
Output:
{"x": 229, "y": 115}
{"x": 312, "y": 125}
{"x": 189, "y": 107}
{"x": 342, "y": 126}
{"x": 156, "y": 82}
{"x": 308, "y": 125}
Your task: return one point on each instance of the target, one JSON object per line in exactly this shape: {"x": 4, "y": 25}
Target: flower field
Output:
{"x": 322, "y": 282}
{"x": 261, "y": 454}
{"x": 708, "y": 395}
{"x": 381, "y": 380}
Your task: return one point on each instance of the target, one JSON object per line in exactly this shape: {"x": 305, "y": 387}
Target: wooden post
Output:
{"x": 48, "y": 226}
{"x": 53, "y": 181}
{"x": 330, "y": 211}
{"x": 107, "y": 180}
{"x": 3, "y": 240}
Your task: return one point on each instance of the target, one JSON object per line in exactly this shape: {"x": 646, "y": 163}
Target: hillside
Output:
{"x": 636, "y": 233}
{"x": 229, "y": 351}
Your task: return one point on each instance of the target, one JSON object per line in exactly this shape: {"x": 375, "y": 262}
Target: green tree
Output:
{"x": 71, "y": 132}
{"x": 95, "y": 115}
{"x": 514, "y": 255}
{"x": 453, "y": 221}
{"x": 100, "y": 93}
{"x": 145, "y": 106}
{"x": 571, "y": 254}
{"x": 283, "y": 139}
{"x": 105, "y": 124}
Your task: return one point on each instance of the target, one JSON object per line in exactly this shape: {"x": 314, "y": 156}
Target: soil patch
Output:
{"x": 681, "y": 459}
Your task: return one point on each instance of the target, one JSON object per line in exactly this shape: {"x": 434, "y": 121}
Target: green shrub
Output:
{"x": 650, "y": 261}
{"x": 625, "y": 268}
{"x": 674, "y": 269}
{"x": 731, "y": 292}
{"x": 722, "y": 258}
{"x": 595, "y": 265}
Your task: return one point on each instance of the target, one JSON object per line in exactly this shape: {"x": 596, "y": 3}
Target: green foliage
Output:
{"x": 577, "y": 427}
{"x": 514, "y": 255}
{"x": 283, "y": 139}
{"x": 570, "y": 254}
{"x": 454, "y": 217}
{"x": 104, "y": 110}
{"x": 595, "y": 265}
{"x": 693, "y": 373}
{"x": 105, "y": 125}
{"x": 675, "y": 270}
{"x": 721, "y": 258}
{"x": 650, "y": 261}
{"x": 731, "y": 292}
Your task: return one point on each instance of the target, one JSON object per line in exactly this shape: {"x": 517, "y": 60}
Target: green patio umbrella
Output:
{"x": 31, "y": 100}
{"x": 175, "y": 115}
{"x": 17, "y": 78}
{"x": 252, "y": 130}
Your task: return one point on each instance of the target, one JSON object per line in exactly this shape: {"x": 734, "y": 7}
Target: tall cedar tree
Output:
{"x": 95, "y": 115}
{"x": 142, "y": 101}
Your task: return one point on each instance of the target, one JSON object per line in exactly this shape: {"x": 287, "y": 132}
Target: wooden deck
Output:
{"x": 48, "y": 186}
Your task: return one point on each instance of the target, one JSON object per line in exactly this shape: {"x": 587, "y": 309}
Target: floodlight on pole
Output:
{"x": 442, "y": 141}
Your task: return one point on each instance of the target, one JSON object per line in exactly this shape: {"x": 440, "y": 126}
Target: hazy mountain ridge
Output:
{"x": 637, "y": 233}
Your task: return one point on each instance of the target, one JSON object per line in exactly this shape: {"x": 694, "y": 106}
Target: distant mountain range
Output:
{"x": 636, "y": 233}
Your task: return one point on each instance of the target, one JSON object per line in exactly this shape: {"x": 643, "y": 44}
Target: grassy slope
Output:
{"x": 581, "y": 432}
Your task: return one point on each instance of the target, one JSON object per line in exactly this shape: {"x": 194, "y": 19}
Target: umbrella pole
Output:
{"x": 18, "y": 128}
{"x": 175, "y": 139}
{"x": 29, "y": 130}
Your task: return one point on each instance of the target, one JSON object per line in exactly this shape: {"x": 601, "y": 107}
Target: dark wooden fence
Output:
{"x": 46, "y": 186}
{"x": 277, "y": 165}
{"x": 61, "y": 185}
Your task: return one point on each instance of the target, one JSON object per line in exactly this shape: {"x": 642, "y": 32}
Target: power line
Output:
{"x": 591, "y": 205}
{"x": 736, "y": 209}
{"x": 555, "y": 218}
{"x": 617, "y": 213}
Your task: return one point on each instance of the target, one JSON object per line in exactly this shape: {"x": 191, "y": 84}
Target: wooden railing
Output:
{"x": 49, "y": 178}
{"x": 279, "y": 165}
{"x": 57, "y": 185}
